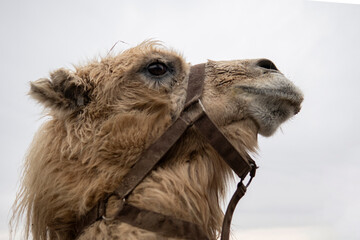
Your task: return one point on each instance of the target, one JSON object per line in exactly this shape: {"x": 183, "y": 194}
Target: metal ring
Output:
{"x": 106, "y": 218}
{"x": 117, "y": 212}
{"x": 202, "y": 106}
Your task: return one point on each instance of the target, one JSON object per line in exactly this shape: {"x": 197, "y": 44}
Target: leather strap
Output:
{"x": 195, "y": 84}
{"x": 142, "y": 167}
{"x": 239, "y": 193}
{"x": 222, "y": 145}
{"x": 165, "y": 226}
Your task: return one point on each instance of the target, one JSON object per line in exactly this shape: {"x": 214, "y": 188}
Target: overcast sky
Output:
{"x": 307, "y": 186}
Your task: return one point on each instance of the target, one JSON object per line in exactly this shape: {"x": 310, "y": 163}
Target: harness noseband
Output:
{"x": 193, "y": 114}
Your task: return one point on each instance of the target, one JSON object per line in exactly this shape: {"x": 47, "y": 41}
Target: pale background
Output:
{"x": 307, "y": 186}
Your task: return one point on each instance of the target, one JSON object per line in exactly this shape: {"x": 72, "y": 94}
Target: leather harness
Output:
{"x": 194, "y": 115}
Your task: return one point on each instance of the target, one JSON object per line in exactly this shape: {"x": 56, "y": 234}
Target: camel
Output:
{"x": 104, "y": 114}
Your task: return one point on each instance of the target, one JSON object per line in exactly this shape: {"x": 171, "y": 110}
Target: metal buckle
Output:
{"x": 252, "y": 174}
{"x": 120, "y": 206}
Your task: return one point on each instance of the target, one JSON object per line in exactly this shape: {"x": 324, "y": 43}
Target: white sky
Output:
{"x": 340, "y": 1}
{"x": 307, "y": 186}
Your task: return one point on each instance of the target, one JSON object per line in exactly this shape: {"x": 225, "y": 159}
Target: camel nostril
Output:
{"x": 267, "y": 64}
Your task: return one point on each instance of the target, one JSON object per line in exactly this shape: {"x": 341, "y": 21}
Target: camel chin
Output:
{"x": 273, "y": 104}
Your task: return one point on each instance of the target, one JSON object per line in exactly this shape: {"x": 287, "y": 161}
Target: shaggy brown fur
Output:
{"x": 103, "y": 116}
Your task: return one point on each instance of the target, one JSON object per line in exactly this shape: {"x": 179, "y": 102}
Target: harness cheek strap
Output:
{"x": 167, "y": 226}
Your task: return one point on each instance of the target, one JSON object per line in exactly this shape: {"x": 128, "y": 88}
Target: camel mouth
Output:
{"x": 272, "y": 104}
{"x": 288, "y": 95}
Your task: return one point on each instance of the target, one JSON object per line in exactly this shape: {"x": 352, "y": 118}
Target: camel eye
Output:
{"x": 157, "y": 69}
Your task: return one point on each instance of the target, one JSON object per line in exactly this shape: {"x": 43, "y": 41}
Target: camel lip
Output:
{"x": 289, "y": 94}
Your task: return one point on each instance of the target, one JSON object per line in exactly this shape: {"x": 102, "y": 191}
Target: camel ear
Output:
{"x": 64, "y": 91}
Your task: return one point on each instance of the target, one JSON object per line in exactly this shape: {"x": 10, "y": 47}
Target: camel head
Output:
{"x": 104, "y": 114}
{"x": 254, "y": 90}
